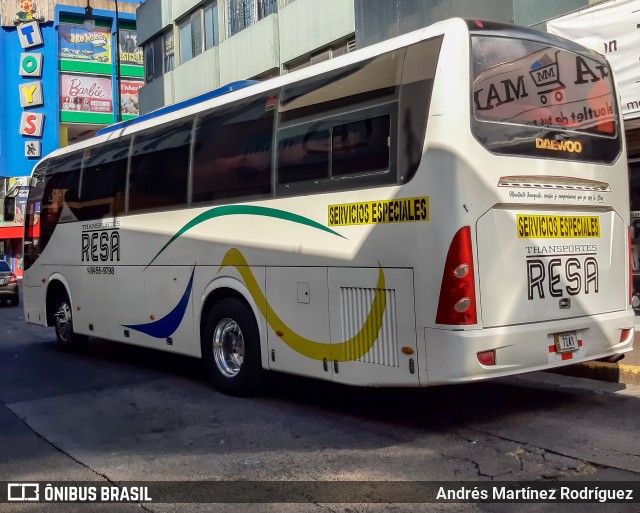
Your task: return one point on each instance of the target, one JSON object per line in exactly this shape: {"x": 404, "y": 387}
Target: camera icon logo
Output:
{"x": 22, "y": 492}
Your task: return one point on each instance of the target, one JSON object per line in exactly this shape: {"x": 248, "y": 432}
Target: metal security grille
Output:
{"x": 356, "y": 303}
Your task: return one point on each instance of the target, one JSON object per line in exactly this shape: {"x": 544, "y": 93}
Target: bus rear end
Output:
{"x": 537, "y": 273}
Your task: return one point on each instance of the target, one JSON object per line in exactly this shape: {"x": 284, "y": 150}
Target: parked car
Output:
{"x": 8, "y": 284}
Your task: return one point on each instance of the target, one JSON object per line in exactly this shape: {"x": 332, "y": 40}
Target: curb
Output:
{"x": 612, "y": 372}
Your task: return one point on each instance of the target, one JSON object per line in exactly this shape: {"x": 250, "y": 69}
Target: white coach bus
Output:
{"x": 446, "y": 206}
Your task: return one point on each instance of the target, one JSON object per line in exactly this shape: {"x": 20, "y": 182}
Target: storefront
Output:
{"x": 60, "y": 84}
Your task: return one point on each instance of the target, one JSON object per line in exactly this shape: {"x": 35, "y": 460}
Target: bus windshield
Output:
{"x": 530, "y": 83}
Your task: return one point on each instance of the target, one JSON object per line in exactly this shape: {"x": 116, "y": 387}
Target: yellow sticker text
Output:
{"x": 557, "y": 227}
{"x": 380, "y": 212}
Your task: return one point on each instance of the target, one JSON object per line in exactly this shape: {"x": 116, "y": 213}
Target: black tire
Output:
{"x": 68, "y": 340}
{"x": 15, "y": 301}
{"x": 230, "y": 344}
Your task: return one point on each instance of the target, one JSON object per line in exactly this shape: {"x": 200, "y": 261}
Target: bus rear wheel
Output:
{"x": 68, "y": 340}
{"x": 230, "y": 346}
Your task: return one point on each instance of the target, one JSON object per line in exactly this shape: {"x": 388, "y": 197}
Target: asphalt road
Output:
{"x": 117, "y": 413}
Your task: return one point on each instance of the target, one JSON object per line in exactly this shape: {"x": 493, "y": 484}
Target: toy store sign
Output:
{"x": 31, "y": 93}
{"x": 86, "y": 93}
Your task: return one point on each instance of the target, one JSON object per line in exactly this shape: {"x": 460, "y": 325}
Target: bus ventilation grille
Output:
{"x": 356, "y": 305}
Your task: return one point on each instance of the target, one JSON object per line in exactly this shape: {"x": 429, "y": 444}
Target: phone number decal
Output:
{"x": 103, "y": 270}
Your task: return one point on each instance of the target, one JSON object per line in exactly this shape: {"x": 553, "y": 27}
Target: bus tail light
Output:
{"x": 457, "y": 303}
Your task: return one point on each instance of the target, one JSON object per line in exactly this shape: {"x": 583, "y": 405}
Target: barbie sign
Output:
{"x": 86, "y": 93}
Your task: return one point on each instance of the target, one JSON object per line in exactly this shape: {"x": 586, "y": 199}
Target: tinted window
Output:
{"x": 362, "y": 83}
{"x": 303, "y": 153}
{"x": 532, "y": 98}
{"x": 60, "y": 194}
{"x": 61, "y": 188}
{"x": 160, "y": 168}
{"x": 360, "y": 147}
{"x": 4, "y": 267}
{"x": 530, "y": 83}
{"x": 104, "y": 178}
{"x": 32, "y": 225}
{"x": 232, "y": 156}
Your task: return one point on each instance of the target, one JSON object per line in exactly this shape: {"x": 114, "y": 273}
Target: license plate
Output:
{"x": 566, "y": 342}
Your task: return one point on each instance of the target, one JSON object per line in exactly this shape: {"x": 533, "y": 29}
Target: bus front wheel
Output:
{"x": 68, "y": 340}
{"x": 231, "y": 348}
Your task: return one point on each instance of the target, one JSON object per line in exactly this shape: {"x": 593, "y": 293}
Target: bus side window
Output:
{"x": 303, "y": 154}
{"x": 61, "y": 183}
{"x": 360, "y": 147}
{"x": 104, "y": 176}
{"x": 232, "y": 154}
{"x": 159, "y": 170}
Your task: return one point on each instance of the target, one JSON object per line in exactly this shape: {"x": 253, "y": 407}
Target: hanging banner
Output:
{"x": 86, "y": 93}
{"x": 75, "y": 43}
{"x": 613, "y": 29}
{"x": 130, "y": 52}
{"x": 129, "y": 96}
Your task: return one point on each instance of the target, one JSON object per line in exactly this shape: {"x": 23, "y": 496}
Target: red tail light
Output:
{"x": 630, "y": 267}
{"x": 13, "y": 279}
{"x": 457, "y": 303}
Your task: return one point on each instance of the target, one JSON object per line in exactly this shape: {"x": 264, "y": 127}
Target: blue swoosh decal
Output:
{"x": 165, "y": 327}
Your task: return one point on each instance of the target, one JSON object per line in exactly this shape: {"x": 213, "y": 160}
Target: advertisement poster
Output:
{"x": 130, "y": 52}
{"x": 86, "y": 93}
{"x": 613, "y": 29}
{"x": 77, "y": 44}
{"x": 129, "y": 96}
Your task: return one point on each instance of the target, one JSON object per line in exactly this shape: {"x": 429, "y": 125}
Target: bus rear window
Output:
{"x": 529, "y": 83}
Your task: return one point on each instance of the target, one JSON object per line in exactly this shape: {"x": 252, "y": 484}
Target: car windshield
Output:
{"x": 4, "y": 267}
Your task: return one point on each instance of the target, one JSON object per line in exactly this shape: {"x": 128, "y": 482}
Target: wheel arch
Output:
{"x": 228, "y": 287}
{"x": 56, "y": 285}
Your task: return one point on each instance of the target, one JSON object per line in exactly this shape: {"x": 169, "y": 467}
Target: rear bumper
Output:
{"x": 452, "y": 355}
{"x": 9, "y": 291}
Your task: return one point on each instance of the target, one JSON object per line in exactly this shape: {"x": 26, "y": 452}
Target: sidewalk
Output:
{"x": 625, "y": 371}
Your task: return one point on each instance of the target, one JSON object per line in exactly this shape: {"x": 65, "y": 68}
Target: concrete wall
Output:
{"x": 250, "y": 52}
{"x": 306, "y": 25}
{"x": 156, "y": 94}
{"x": 196, "y": 76}
{"x": 155, "y": 17}
{"x": 377, "y": 20}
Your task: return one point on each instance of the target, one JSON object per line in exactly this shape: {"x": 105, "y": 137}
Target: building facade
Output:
{"x": 192, "y": 47}
{"x": 59, "y": 84}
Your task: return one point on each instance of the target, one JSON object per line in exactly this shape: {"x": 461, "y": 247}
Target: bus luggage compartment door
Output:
{"x": 539, "y": 265}
{"x": 373, "y": 327}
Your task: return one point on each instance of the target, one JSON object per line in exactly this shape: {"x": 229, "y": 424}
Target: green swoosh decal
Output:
{"x": 253, "y": 210}
{"x": 352, "y": 349}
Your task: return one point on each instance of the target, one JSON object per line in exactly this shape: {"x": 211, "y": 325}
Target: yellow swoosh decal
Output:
{"x": 352, "y": 349}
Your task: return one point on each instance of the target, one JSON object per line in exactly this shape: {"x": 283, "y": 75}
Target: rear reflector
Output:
{"x": 457, "y": 302}
{"x": 487, "y": 357}
{"x": 626, "y": 334}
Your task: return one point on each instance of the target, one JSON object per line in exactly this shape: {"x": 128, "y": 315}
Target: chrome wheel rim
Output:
{"x": 228, "y": 347}
{"x": 64, "y": 324}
